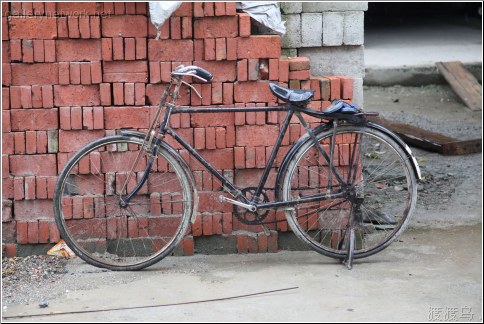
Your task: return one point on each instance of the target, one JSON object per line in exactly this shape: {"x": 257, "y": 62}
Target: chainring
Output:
{"x": 247, "y": 217}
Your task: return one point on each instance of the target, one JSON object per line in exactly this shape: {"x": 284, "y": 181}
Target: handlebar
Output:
{"x": 195, "y": 71}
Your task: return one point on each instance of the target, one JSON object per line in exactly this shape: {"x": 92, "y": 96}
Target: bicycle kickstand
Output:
{"x": 351, "y": 248}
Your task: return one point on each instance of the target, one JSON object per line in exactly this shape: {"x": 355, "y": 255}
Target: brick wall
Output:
{"x": 73, "y": 72}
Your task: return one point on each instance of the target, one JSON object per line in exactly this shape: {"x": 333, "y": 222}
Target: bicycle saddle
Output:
{"x": 296, "y": 97}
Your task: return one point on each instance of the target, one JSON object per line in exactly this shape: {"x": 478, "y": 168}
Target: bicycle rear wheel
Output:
{"x": 92, "y": 218}
{"x": 380, "y": 186}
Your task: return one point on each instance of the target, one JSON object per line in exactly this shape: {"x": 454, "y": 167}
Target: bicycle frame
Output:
{"x": 291, "y": 110}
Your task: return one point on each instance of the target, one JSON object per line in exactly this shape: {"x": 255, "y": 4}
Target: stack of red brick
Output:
{"x": 73, "y": 72}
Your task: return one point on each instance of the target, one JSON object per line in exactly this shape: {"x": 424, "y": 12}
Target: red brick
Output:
{"x": 165, "y": 71}
{"x": 188, "y": 246}
{"x": 119, "y": 8}
{"x": 220, "y": 49}
{"x": 19, "y": 143}
{"x": 206, "y": 94}
{"x": 14, "y": 97}
{"x": 7, "y": 187}
{"x": 22, "y": 233}
{"x": 129, "y": 49}
{"x": 25, "y": 97}
{"x": 130, "y": 8}
{"x": 253, "y": 136}
{"x": 27, "y": 51}
{"x": 223, "y": 71}
{"x": 107, "y": 49}
{"x": 76, "y": 118}
{"x": 219, "y": 9}
{"x": 335, "y": 86}
{"x": 96, "y": 72}
{"x": 141, "y": 8}
{"x": 84, "y": 27}
{"x": 71, "y": 141}
{"x": 244, "y": 25}
{"x": 129, "y": 93}
{"x": 136, "y": 71}
{"x": 299, "y": 64}
{"x": 79, "y": 8}
{"x": 230, "y": 9}
{"x": 209, "y": 49}
{"x": 260, "y": 46}
{"x": 217, "y": 94}
{"x": 73, "y": 27}
{"x": 118, "y": 94}
{"x": 41, "y": 142}
{"x": 38, "y": 50}
{"x": 231, "y": 49}
{"x": 18, "y": 188}
{"x": 140, "y": 48}
{"x": 139, "y": 94}
{"x": 32, "y": 27}
{"x": 185, "y": 10}
{"x": 78, "y": 50}
{"x": 15, "y": 50}
{"x": 124, "y": 26}
{"x": 41, "y": 187}
{"x": 299, "y": 75}
{"x": 170, "y": 49}
{"x": 239, "y": 157}
{"x": 98, "y": 117}
{"x": 175, "y": 27}
{"x": 198, "y": 9}
{"x": 347, "y": 85}
{"x": 38, "y": 165}
{"x": 155, "y": 76}
{"x": 10, "y": 250}
{"x": 215, "y": 27}
{"x": 122, "y": 117}
{"x": 208, "y": 9}
{"x": 283, "y": 70}
{"x": 253, "y": 91}
{"x": 210, "y": 138}
{"x": 43, "y": 232}
{"x": 6, "y": 121}
{"x": 253, "y": 69}
{"x": 118, "y": 49}
{"x": 5, "y": 98}
{"x": 228, "y": 93}
{"x": 30, "y": 142}
{"x": 49, "y": 50}
{"x": 242, "y": 66}
{"x": 186, "y": 27}
{"x": 30, "y": 186}
{"x": 105, "y": 94}
{"x": 83, "y": 95}
{"x": 242, "y": 243}
{"x": 95, "y": 26}
{"x": 75, "y": 73}
{"x": 62, "y": 27}
{"x": 207, "y": 224}
{"x": 87, "y": 118}
{"x": 64, "y": 76}
{"x": 273, "y": 69}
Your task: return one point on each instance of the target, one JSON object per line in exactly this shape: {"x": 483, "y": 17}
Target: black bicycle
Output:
{"x": 348, "y": 187}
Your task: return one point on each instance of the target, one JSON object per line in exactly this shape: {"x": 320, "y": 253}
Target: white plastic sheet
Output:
{"x": 266, "y": 13}
{"x": 160, "y": 11}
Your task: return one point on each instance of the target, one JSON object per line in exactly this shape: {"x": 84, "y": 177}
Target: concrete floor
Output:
{"x": 426, "y": 275}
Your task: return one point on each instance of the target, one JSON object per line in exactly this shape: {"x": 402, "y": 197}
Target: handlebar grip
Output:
{"x": 204, "y": 74}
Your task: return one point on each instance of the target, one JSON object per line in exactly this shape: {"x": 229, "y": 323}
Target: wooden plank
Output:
{"x": 463, "y": 83}
{"x": 429, "y": 140}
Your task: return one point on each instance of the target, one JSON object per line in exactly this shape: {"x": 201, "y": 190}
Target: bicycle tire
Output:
{"x": 384, "y": 183}
{"x": 91, "y": 219}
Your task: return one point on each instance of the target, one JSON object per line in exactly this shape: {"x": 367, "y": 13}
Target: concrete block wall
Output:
{"x": 331, "y": 34}
{"x": 73, "y": 72}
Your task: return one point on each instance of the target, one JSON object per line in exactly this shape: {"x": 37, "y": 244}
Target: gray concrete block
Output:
{"x": 333, "y": 28}
{"x": 353, "y": 28}
{"x": 334, "y": 6}
{"x": 289, "y": 52}
{"x": 291, "y": 7}
{"x": 292, "y": 38}
{"x": 341, "y": 60}
{"x": 358, "y": 92}
{"x": 311, "y": 29}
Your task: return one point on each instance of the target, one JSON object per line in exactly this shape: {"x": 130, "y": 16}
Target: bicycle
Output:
{"x": 348, "y": 186}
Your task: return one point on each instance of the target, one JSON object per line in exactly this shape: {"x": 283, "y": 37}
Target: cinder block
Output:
{"x": 339, "y": 60}
{"x": 333, "y": 28}
{"x": 311, "y": 29}
{"x": 334, "y": 6}
{"x": 292, "y": 38}
{"x": 291, "y": 7}
{"x": 353, "y": 28}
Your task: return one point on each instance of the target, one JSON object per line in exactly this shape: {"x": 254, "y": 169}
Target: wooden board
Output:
{"x": 463, "y": 83}
{"x": 429, "y": 140}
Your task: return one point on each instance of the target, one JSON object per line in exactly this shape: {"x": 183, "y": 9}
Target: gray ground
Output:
{"x": 433, "y": 271}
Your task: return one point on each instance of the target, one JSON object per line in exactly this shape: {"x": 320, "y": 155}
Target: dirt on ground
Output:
{"x": 448, "y": 195}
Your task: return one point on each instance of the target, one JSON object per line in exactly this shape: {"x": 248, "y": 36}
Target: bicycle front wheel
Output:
{"x": 102, "y": 229}
{"x": 379, "y": 186}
